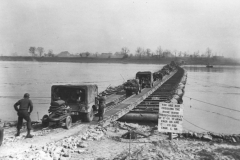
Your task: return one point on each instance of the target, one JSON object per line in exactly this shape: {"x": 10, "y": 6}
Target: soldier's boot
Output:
{"x": 18, "y": 133}
{"x": 28, "y": 134}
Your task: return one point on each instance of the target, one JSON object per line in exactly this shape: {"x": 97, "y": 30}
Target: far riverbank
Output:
{"x": 129, "y": 60}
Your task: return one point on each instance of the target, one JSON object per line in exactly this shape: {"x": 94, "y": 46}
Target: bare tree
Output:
{"x": 159, "y": 51}
{"x": 148, "y": 52}
{"x": 139, "y": 52}
{"x": 40, "y": 51}
{"x": 50, "y": 53}
{"x": 87, "y": 54}
{"x": 144, "y": 52}
{"x": 175, "y": 53}
{"x": 209, "y": 52}
{"x": 196, "y": 54}
{"x": 185, "y": 54}
{"x": 125, "y": 50}
{"x": 180, "y": 54}
{"x": 32, "y": 50}
{"x": 96, "y": 54}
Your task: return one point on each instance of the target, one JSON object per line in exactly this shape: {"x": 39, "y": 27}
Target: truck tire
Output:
{"x": 68, "y": 122}
{"x": 45, "y": 121}
{"x": 89, "y": 116}
{"x": 1, "y": 135}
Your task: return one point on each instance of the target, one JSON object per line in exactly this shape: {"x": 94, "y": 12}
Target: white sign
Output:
{"x": 170, "y": 117}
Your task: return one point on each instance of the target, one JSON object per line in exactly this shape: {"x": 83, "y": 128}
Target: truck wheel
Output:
{"x": 1, "y": 135}
{"x": 89, "y": 116}
{"x": 45, "y": 121}
{"x": 68, "y": 122}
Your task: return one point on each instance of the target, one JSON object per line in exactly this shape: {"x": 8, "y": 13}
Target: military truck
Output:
{"x": 132, "y": 86}
{"x": 157, "y": 76}
{"x": 145, "y": 79}
{"x": 68, "y": 101}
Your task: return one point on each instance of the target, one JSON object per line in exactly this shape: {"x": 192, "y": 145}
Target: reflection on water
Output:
{"x": 204, "y": 69}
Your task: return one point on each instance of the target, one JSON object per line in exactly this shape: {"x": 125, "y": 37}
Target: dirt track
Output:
{"x": 84, "y": 142}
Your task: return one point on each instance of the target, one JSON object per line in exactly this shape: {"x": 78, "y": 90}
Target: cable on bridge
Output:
{"x": 216, "y": 113}
{"x": 197, "y": 125}
{"x": 235, "y": 110}
{"x": 215, "y": 83}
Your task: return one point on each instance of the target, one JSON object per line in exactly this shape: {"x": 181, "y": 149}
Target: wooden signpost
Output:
{"x": 170, "y": 118}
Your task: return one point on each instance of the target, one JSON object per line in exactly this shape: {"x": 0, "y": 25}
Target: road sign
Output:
{"x": 170, "y": 117}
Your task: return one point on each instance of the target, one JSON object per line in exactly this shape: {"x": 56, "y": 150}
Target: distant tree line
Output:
{"x": 125, "y": 53}
{"x": 39, "y": 52}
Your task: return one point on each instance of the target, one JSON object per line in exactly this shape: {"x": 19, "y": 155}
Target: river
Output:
{"x": 210, "y": 89}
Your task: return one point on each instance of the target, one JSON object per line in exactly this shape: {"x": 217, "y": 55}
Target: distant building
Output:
{"x": 105, "y": 55}
{"x": 64, "y": 54}
{"x": 117, "y": 56}
{"x": 218, "y": 57}
{"x": 85, "y": 54}
{"x": 168, "y": 54}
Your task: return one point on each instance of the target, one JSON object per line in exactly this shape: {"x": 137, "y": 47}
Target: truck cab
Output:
{"x": 145, "y": 79}
{"x": 80, "y": 98}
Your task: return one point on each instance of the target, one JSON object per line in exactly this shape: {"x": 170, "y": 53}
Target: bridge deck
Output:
{"x": 128, "y": 104}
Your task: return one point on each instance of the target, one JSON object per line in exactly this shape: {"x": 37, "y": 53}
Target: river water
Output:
{"x": 208, "y": 93}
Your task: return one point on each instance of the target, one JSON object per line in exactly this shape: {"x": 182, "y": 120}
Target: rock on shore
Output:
{"x": 107, "y": 143}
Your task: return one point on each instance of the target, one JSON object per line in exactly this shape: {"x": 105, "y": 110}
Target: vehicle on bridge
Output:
{"x": 145, "y": 79}
{"x": 71, "y": 101}
{"x": 157, "y": 76}
{"x": 132, "y": 86}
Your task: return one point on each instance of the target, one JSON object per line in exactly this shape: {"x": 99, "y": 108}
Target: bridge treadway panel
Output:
{"x": 128, "y": 104}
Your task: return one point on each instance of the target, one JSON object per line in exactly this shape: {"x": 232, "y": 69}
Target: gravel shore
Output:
{"x": 85, "y": 141}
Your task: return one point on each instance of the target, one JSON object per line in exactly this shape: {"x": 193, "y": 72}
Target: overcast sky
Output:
{"x": 108, "y": 25}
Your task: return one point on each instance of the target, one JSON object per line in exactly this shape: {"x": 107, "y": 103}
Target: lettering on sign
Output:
{"x": 170, "y": 117}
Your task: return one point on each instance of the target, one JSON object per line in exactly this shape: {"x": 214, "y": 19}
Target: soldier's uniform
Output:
{"x": 102, "y": 105}
{"x": 24, "y": 111}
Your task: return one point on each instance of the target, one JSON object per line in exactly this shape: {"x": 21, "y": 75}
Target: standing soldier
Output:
{"x": 24, "y": 111}
{"x": 102, "y": 105}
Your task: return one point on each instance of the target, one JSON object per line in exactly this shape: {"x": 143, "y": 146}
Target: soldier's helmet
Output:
{"x": 26, "y": 95}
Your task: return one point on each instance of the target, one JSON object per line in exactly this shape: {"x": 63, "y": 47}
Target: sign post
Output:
{"x": 170, "y": 118}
